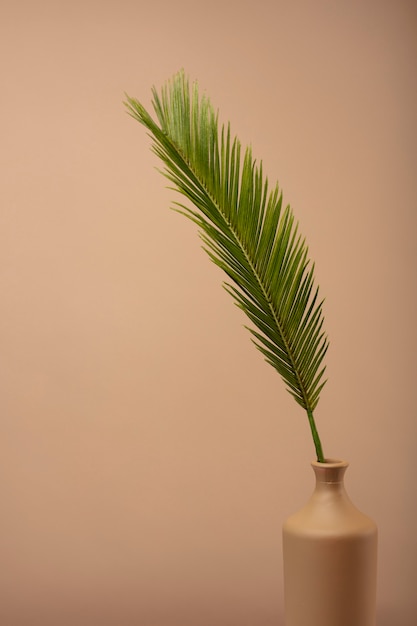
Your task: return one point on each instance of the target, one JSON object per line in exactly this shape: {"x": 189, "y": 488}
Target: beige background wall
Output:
{"x": 148, "y": 454}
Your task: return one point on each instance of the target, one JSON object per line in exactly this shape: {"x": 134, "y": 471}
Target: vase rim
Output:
{"x": 330, "y": 463}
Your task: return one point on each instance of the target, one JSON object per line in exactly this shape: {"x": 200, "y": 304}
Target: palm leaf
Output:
{"x": 246, "y": 231}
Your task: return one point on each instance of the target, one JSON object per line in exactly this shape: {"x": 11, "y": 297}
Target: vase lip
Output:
{"x": 330, "y": 463}
{"x": 331, "y": 471}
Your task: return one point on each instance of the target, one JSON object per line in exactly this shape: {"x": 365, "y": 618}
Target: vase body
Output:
{"x": 330, "y": 557}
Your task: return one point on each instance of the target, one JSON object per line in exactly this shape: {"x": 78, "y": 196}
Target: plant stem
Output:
{"x": 316, "y": 438}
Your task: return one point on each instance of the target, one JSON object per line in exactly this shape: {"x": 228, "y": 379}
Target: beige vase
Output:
{"x": 330, "y": 552}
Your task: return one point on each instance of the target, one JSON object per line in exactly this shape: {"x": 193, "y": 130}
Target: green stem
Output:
{"x": 316, "y": 438}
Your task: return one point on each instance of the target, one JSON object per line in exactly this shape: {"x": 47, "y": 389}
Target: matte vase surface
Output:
{"x": 330, "y": 554}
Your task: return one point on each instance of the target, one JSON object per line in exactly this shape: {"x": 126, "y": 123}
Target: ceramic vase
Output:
{"x": 330, "y": 557}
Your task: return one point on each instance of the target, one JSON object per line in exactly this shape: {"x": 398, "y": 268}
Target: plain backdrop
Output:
{"x": 148, "y": 454}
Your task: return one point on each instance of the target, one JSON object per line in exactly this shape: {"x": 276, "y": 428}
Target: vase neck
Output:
{"x": 330, "y": 472}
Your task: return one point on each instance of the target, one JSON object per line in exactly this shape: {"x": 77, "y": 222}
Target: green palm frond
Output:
{"x": 246, "y": 231}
